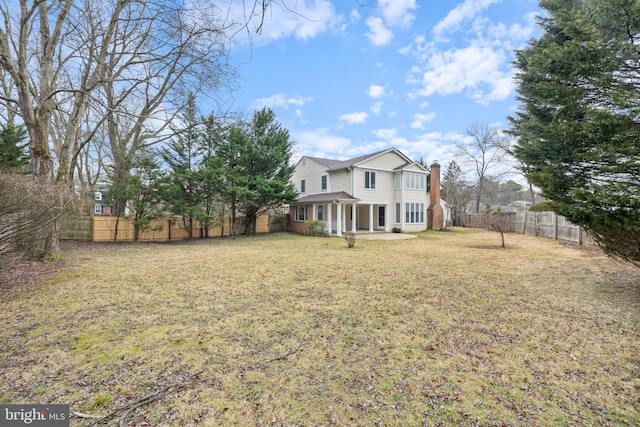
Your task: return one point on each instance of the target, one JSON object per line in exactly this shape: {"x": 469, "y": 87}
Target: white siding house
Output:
{"x": 375, "y": 192}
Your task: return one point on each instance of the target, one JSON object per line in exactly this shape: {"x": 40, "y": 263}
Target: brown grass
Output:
{"x": 445, "y": 329}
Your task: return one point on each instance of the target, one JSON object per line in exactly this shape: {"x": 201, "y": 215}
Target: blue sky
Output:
{"x": 352, "y": 77}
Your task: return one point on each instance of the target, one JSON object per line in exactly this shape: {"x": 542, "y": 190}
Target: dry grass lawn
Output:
{"x": 445, "y": 329}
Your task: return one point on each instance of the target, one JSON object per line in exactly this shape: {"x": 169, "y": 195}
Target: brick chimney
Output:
{"x": 435, "y": 215}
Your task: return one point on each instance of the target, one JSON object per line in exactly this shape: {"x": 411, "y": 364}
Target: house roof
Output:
{"x": 327, "y": 163}
{"x": 342, "y": 196}
{"x": 332, "y": 164}
{"x": 406, "y": 165}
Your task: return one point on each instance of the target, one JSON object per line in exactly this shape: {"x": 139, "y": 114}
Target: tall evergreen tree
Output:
{"x": 183, "y": 192}
{"x": 258, "y": 165}
{"x": 578, "y": 126}
{"x": 144, "y": 190}
{"x": 13, "y": 153}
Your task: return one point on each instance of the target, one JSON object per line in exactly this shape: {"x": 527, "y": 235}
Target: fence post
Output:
{"x": 555, "y": 226}
{"x": 579, "y": 235}
{"x": 524, "y": 222}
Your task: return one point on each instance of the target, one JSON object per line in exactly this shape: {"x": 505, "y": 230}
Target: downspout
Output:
{"x": 353, "y": 191}
{"x": 402, "y": 212}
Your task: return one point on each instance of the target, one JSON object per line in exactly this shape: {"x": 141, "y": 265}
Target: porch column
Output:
{"x": 371, "y": 218}
{"x": 353, "y": 217}
{"x": 343, "y": 214}
{"x": 314, "y": 214}
{"x": 339, "y": 219}
{"x": 387, "y": 217}
{"x": 328, "y": 227}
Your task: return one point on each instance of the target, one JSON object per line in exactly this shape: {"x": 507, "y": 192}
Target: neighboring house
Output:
{"x": 375, "y": 192}
{"x": 102, "y": 202}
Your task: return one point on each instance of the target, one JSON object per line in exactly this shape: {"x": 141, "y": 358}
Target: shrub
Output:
{"x": 350, "y": 237}
{"x": 540, "y": 207}
{"x": 316, "y": 227}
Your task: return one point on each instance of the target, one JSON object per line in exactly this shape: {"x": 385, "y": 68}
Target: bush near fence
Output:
{"x": 103, "y": 229}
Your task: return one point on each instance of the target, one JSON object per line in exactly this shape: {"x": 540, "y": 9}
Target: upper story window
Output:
{"x": 370, "y": 180}
{"x": 414, "y": 181}
{"x": 97, "y": 195}
{"x": 302, "y": 185}
{"x": 398, "y": 180}
{"x": 323, "y": 183}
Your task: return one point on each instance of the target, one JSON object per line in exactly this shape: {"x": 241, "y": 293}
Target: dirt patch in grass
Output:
{"x": 293, "y": 330}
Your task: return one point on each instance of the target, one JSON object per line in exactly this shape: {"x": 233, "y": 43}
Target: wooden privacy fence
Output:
{"x": 103, "y": 229}
{"x": 551, "y": 226}
{"x": 542, "y": 224}
{"x": 505, "y": 221}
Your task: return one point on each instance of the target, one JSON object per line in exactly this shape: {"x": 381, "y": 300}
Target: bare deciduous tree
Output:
{"x": 80, "y": 57}
{"x": 482, "y": 152}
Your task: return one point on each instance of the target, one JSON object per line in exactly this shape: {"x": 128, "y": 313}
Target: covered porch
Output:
{"x": 343, "y": 213}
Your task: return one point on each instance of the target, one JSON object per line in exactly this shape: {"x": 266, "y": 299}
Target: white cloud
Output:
{"x": 375, "y": 91}
{"x": 280, "y": 100}
{"x": 320, "y": 142}
{"x": 482, "y": 70}
{"x": 478, "y": 67}
{"x": 378, "y": 33}
{"x": 462, "y": 13}
{"x": 302, "y": 21}
{"x": 376, "y": 107}
{"x": 355, "y": 16}
{"x": 396, "y": 12}
{"x": 433, "y": 146}
{"x": 419, "y": 48}
{"x": 419, "y": 120}
{"x": 385, "y": 133}
{"x": 354, "y": 118}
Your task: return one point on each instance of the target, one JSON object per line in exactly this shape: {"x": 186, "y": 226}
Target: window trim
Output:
{"x": 303, "y": 185}
{"x": 414, "y": 213}
{"x": 300, "y": 208}
{"x": 369, "y": 180}
{"x": 323, "y": 182}
{"x": 414, "y": 181}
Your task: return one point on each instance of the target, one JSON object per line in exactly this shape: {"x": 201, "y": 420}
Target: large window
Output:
{"x": 398, "y": 215}
{"x": 370, "y": 180}
{"x": 320, "y": 213}
{"x": 301, "y": 213}
{"x": 414, "y": 213}
{"x": 398, "y": 181}
{"x": 303, "y": 184}
{"x": 323, "y": 182}
{"x": 414, "y": 181}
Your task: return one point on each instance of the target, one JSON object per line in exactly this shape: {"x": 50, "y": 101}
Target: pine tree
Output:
{"x": 578, "y": 126}
{"x": 13, "y": 154}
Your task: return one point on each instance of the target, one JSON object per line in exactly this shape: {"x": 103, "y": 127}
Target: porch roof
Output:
{"x": 341, "y": 196}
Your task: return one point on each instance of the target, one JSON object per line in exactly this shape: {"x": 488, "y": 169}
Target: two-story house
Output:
{"x": 376, "y": 192}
